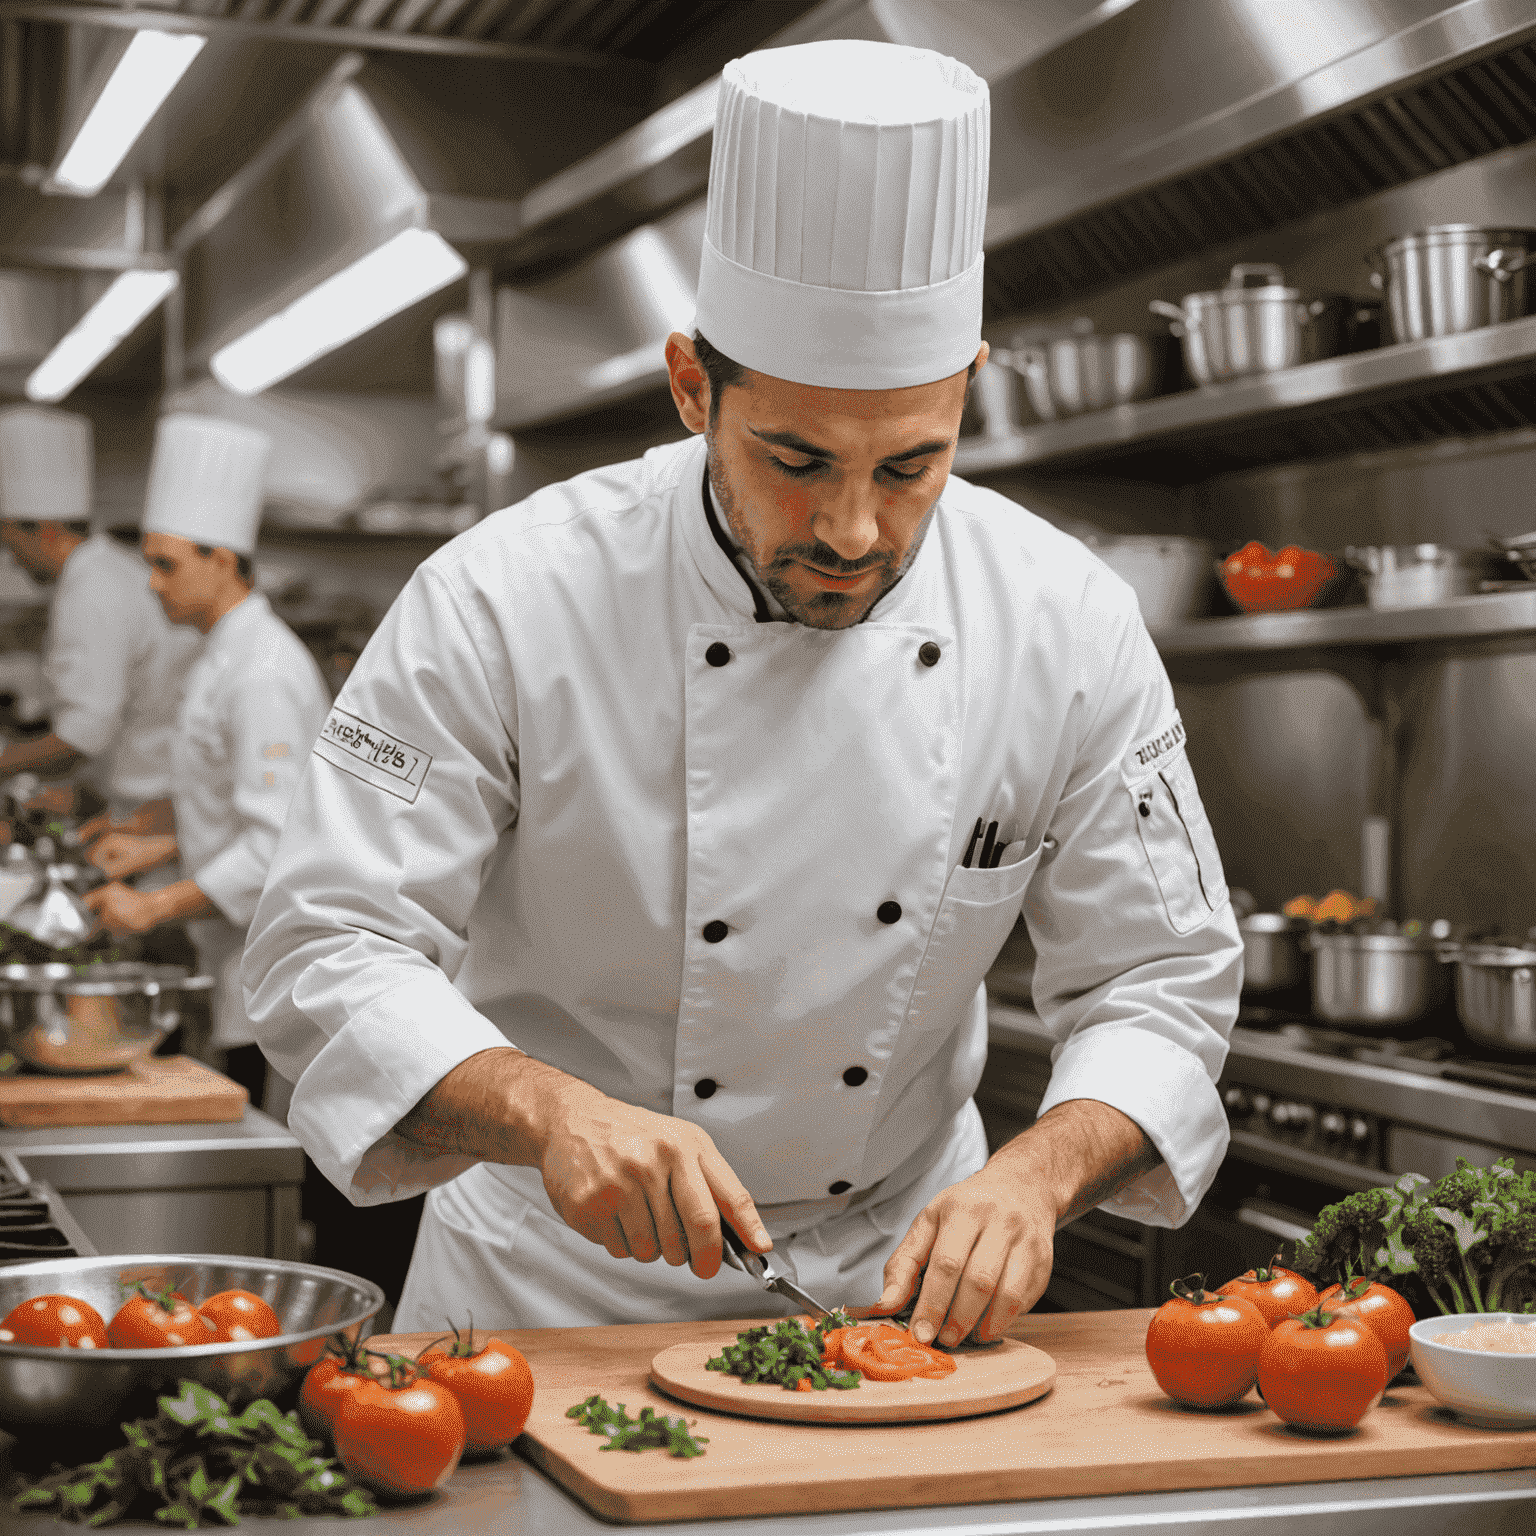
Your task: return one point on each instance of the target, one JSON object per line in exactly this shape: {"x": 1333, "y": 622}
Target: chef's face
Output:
{"x": 40, "y": 549}
{"x": 192, "y": 585}
{"x": 828, "y": 491}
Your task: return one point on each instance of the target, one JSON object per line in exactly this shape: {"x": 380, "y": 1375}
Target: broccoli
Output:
{"x": 1469, "y": 1239}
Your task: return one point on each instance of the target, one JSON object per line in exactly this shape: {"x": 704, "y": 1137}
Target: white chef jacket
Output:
{"x": 574, "y": 798}
{"x": 116, "y": 669}
{"x": 255, "y": 701}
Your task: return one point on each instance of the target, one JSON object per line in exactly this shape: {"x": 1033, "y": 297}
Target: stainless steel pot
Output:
{"x": 1274, "y": 956}
{"x": 100, "y": 1018}
{"x": 1239, "y": 330}
{"x": 1416, "y": 575}
{"x": 1375, "y": 980}
{"x": 1495, "y": 993}
{"x": 1073, "y": 372}
{"x": 1451, "y": 278}
{"x": 1171, "y": 575}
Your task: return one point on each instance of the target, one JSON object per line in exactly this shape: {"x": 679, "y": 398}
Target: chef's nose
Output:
{"x": 846, "y": 521}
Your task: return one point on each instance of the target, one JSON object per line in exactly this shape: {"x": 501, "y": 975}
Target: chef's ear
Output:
{"x": 690, "y": 383}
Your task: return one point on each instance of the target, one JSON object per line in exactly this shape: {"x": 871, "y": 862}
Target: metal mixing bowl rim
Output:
{"x": 57, "y": 1267}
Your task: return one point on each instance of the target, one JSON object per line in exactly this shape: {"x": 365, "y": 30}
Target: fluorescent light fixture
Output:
{"x": 399, "y": 273}
{"x": 145, "y": 75}
{"x": 97, "y": 332}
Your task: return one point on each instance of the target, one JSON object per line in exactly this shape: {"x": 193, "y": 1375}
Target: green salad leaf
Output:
{"x": 785, "y": 1355}
{"x": 198, "y": 1463}
{"x": 650, "y": 1430}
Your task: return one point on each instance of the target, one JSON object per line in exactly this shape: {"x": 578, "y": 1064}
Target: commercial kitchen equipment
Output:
{"x": 1419, "y": 575}
{"x": 1171, "y": 574}
{"x": 1451, "y": 278}
{"x": 1375, "y": 980}
{"x": 1496, "y": 994}
{"x": 1274, "y": 957}
{"x": 1245, "y": 329}
{"x": 174, "y": 1188}
{"x": 1066, "y": 373}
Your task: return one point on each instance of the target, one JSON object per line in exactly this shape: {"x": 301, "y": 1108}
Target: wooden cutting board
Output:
{"x": 985, "y": 1380}
{"x": 1104, "y": 1429}
{"x": 161, "y": 1090}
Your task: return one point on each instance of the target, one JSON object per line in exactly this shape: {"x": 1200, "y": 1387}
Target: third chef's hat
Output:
{"x": 46, "y": 465}
{"x": 206, "y": 481}
{"x": 847, "y": 199}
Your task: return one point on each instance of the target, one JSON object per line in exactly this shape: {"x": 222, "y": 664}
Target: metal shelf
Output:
{"x": 1413, "y": 392}
{"x": 1487, "y": 617}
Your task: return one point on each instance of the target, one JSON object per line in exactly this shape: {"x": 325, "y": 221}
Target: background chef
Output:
{"x": 254, "y": 702}
{"x": 115, "y": 667}
{"x": 629, "y": 879}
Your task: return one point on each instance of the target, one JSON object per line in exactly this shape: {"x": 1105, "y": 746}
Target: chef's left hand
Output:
{"x": 122, "y": 909}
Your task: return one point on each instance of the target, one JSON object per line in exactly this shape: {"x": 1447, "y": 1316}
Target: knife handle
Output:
{"x": 736, "y": 1253}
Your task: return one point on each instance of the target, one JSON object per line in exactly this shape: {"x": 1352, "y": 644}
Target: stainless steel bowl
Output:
{"x": 1375, "y": 980}
{"x": 1073, "y": 372}
{"x": 1237, "y": 331}
{"x": 44, "y": 1391}
{"x": 1496, "y": 993}
{"x": 1273, "y": 954}
{"x": 1418, "y": 575}
{"x": 99, "y": 1018}
{"x": 1451, "y": 278}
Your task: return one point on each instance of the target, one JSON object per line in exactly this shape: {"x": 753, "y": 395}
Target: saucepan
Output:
{"x": 1418, "y": 575}
{"x": 1240, "y": 330}
{"x": 1274, "y": 951}
{"x": 1073, "y": 371}
{"x": 1375, "y": 980}
{"x": 97, "y": 1018}
{"x": 1496, "y": 993}
{"x": 1452, "y": 278}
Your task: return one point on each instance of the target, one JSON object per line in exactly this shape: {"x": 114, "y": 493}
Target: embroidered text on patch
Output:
{"x": 374, "y": 755}
{"x": 1150, "y": 753}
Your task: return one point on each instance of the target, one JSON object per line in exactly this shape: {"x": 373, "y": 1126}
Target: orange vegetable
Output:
{"x": 832, "y": 1347}
{"x": 804, "y": 1385}
{"x": 881, "y": 1352}
{"x": 1300, "y": 906}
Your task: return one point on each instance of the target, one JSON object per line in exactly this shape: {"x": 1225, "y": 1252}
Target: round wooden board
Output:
{"x": 989, "y": 1377}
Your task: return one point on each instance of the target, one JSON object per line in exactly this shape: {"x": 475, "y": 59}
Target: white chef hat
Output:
{"x": 46, "y": 465}
{"x": 847, "y": 200}
{"x": 206, "y": 481}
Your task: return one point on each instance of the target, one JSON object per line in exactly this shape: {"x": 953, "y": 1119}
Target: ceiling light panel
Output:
{"x": 98, "y": 332}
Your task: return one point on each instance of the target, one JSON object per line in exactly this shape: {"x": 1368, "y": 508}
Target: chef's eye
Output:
{"x": 893, "y": 473}
{"x": 798, "y": 471}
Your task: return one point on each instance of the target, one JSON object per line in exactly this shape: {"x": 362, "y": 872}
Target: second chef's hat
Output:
{"x": 46, "y": 465}
{"x": 206, "y": 481}
{"x": 847, "y": 200}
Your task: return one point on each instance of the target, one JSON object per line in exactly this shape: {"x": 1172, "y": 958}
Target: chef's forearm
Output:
{"x": 49, "y": 757}
{"x": 1080, "y": 1153}
{"x": 494, "y": 1107}
{"x": 179, "y": 902}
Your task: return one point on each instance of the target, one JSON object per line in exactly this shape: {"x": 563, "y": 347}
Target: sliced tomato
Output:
{"x": 240, "y": 1316}
{"x": 166, "y": 1320}
{"x": 55, "y": 1322}
{"x": 881, "y": 1352}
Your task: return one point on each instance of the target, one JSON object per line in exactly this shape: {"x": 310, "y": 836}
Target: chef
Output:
{"x": 635, "y": 880}
{"x": 254, "y": 703}
{"x": 114, "y": 666}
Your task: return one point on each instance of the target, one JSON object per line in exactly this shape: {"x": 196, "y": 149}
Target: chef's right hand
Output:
{"x": 642, "y": 1185}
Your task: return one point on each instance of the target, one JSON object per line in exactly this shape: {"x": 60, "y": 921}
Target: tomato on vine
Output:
{"x": 1204, "y": 1348}
{"x": 1381, "y": 1309}
{"x": 1277, "y": 1293}
{"x": 158, "y": 1320}
{"x": 1322, "y": 1371}
{"x": 493, "y": 1385}
{"x": 402, "y": 1437}
{"x": 329, "y": 1381}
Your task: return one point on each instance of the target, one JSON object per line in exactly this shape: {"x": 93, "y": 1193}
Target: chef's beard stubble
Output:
{"x": 823, "y": 610}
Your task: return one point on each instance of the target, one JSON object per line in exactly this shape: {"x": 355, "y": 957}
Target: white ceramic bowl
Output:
{"x": 1494, "y": 1390}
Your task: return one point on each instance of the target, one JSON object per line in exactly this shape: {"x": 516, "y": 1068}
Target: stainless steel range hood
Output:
{"x": 1127, "y": 134}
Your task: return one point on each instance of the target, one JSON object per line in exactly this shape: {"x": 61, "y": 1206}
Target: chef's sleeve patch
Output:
{"x": 374, "y": 755}
{"x": 1146, "y": 757}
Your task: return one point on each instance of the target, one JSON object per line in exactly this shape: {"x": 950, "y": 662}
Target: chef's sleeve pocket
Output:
{"x": 975, "y": 917}
{"x": 1179, "y": 844}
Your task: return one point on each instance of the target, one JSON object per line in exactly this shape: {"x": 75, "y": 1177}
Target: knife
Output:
{"x": 760, "y": 1266}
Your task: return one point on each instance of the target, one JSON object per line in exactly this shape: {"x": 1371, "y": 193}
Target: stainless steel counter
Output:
{"x": 231, "y": 1188}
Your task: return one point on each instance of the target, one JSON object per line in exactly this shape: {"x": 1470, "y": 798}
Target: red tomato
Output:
{"x": 400, "y": 1440}
{"x": 1382, "y": 1310}
{"x": 240, "y": 1316}
{"x": 1322, "y": 1372}
{"x": 56, "y": 1322}
{"x": 1204, "y": 1348}
{"x": 1277, "y": 1293}
{"x": 164, "y": 1321}
{"x": 493, "y": 1385}
{"x": 326, "y": 1384}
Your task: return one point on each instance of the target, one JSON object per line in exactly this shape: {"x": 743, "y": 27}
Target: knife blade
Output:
{"x": 760, "y": 1266}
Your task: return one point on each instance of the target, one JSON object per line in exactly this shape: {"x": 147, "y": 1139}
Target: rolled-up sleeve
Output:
{"x": 1139, "y": 958}
{"x": 350, "y": 961}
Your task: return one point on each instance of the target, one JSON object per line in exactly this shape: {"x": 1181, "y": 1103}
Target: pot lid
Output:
{"x": 1460, "y": 234}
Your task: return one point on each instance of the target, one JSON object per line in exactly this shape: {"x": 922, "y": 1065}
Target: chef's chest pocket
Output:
{"x": 976, "y": 915}
{"x": 1179, "y": 845}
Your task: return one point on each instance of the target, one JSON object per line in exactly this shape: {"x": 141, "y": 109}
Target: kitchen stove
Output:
{"x": 33, "y": 1221}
